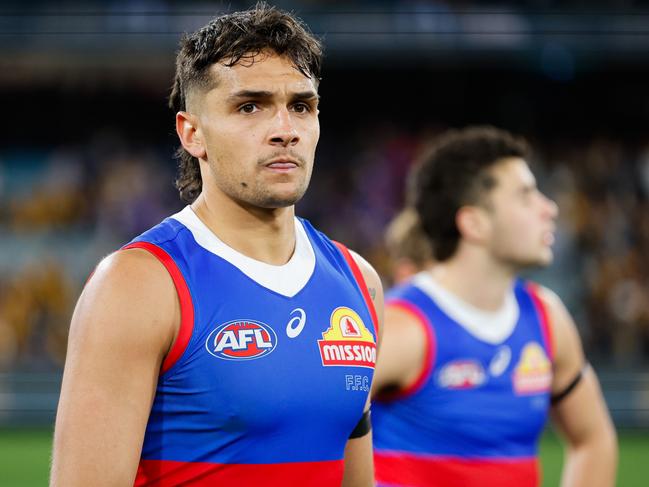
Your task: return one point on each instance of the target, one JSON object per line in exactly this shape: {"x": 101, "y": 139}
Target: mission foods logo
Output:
{"x": 347, "y": 342}
{"x": 533, "y": 373}
{"x": 241, "y": 340}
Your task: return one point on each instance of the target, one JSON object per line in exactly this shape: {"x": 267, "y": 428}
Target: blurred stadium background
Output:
{"x": 86, "y": 162}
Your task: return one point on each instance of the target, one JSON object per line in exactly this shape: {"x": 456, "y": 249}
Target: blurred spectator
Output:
{"x": 89, "y": 200}
{"x": 35, "y": 308}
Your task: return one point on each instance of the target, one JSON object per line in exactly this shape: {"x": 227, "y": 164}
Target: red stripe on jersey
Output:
{"x": 169, "y": 473}
{"x": 361, "y": 283}
{"x": 184, "y": 296}
{"x": 542, "y": 312}
{"x": 405, "y": 469}
{"x": 429, "y": 356}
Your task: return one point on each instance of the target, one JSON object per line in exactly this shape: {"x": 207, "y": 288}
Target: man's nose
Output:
{"x": 283, "y": 132}
{"x": 552, "y": 208}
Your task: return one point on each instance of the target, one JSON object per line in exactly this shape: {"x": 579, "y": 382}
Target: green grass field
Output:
{"x": 633, "y": 466}
{"x": 25, "y": 457}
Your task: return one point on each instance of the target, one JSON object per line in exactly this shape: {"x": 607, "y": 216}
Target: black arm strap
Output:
{"x": 559, "y": 396}
{"x": 363, "y": 427}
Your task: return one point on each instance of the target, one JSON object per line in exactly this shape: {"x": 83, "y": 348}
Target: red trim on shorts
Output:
{"x": 312, "y": 474}
{"x": 361, "y": 283}
{"x": 542, "y": 312}
{"x": 412, "y": 470}
{"x": 184, "y": 296}
{"x": 429, "y": 355}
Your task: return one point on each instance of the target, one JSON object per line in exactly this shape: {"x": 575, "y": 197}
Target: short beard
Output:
{"x": 260, "y": 196}
{"x": 265, "y": 199}
{"x": 268, "y": 200}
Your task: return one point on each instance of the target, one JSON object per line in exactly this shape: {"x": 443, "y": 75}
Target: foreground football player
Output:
{"x": 232, "y": 344}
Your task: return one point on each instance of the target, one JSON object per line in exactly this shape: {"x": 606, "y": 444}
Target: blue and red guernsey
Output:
{"x": 272, "y": 365}
{"x": 474, "y": 416}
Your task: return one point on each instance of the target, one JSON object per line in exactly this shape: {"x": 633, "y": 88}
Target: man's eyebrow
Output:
{"x": 256, "y": 94}
{"x": 264, "y": 95}
{"x": 305, "y": 95}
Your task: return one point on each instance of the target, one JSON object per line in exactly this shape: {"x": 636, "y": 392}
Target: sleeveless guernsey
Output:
{"x": 474, "y": 416}
{"x": 271, "y": 368}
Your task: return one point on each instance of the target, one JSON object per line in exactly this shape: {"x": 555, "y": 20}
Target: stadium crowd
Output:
{"x": 63, "y": 209}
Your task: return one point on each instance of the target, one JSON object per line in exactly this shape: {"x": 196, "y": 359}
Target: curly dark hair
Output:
{"x": 235, "y": 37}
{"x": 456, "y": 172}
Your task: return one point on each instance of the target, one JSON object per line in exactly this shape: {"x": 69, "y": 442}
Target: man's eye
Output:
{"x": 248, "y": 108}
{"x": 301, "y": 108}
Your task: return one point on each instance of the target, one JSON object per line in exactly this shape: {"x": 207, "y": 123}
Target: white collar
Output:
{"x": 287, "y": 279}
{"x": 489, "y": 326}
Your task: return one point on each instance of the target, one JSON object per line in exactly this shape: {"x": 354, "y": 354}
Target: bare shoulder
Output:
{"x": 130, "y": 267}
{"x": 374, "y": 288}
{"x": 122, "y": 327}
{"x": 559, "y": 317}
{"x": 370, "y": 275}
{"x": 403, "y": 351}
{"x": 128, "y": 261}
{"x": 130, "y": 295}
{"x": 403, "y": 320}
{"x": 569, "y": 356}
{"x": 406, "y": 330}
{"x": 550, "y": 299}
{"x": 372, "y": 281}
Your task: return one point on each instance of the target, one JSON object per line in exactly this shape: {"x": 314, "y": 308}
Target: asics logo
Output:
{"x": 296, "y": 324}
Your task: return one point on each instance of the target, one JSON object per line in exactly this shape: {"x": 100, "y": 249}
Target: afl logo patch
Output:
{"x": 241, "y": 340}
{"x": 461, "y": 374}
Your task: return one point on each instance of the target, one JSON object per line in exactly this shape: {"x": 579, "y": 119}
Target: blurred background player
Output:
{"x": 474, "y": 358}
{"x": 211, "y": 349}
{"x": 407, "y": 246}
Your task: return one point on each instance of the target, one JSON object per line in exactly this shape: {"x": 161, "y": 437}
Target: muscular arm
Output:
{"x": 359, "y": 465}
{"x": 403, "y": 351}
{"x": 581, "y": 416}
{"x": 122, "y": 326}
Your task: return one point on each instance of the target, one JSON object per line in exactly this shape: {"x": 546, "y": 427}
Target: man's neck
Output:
{"x": 266, "y": 235}
{"x": 476, "y": 280}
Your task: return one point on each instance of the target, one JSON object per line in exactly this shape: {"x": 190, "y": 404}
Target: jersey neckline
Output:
{"x": 287, "y": 279}
{"x": 493, "y": 327}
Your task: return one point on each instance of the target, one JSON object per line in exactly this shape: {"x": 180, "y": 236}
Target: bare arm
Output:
{"x": 581, "y": 416}
{"x": 359, "y": 464}
{"x": 403, "y": 351}
{"x": 122, "y": 326}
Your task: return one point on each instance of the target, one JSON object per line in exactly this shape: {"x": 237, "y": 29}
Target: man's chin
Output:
{"x": 547, "y": 258}
{"x": 277, "y": 204}
{"x": 542, "y": 261}
{"x": 279, "y": 200}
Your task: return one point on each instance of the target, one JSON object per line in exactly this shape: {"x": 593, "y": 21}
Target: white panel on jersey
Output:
{"x": 491, "y": 327}
{"x": 287, "y": 279}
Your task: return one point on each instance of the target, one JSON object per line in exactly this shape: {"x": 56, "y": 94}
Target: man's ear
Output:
{"x": 473, "y": 223}
{"x": 190, "y": 134}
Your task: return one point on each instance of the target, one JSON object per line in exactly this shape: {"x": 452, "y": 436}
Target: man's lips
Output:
{"x": 548, "y": 237}
{"x": 283, "y": 164}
